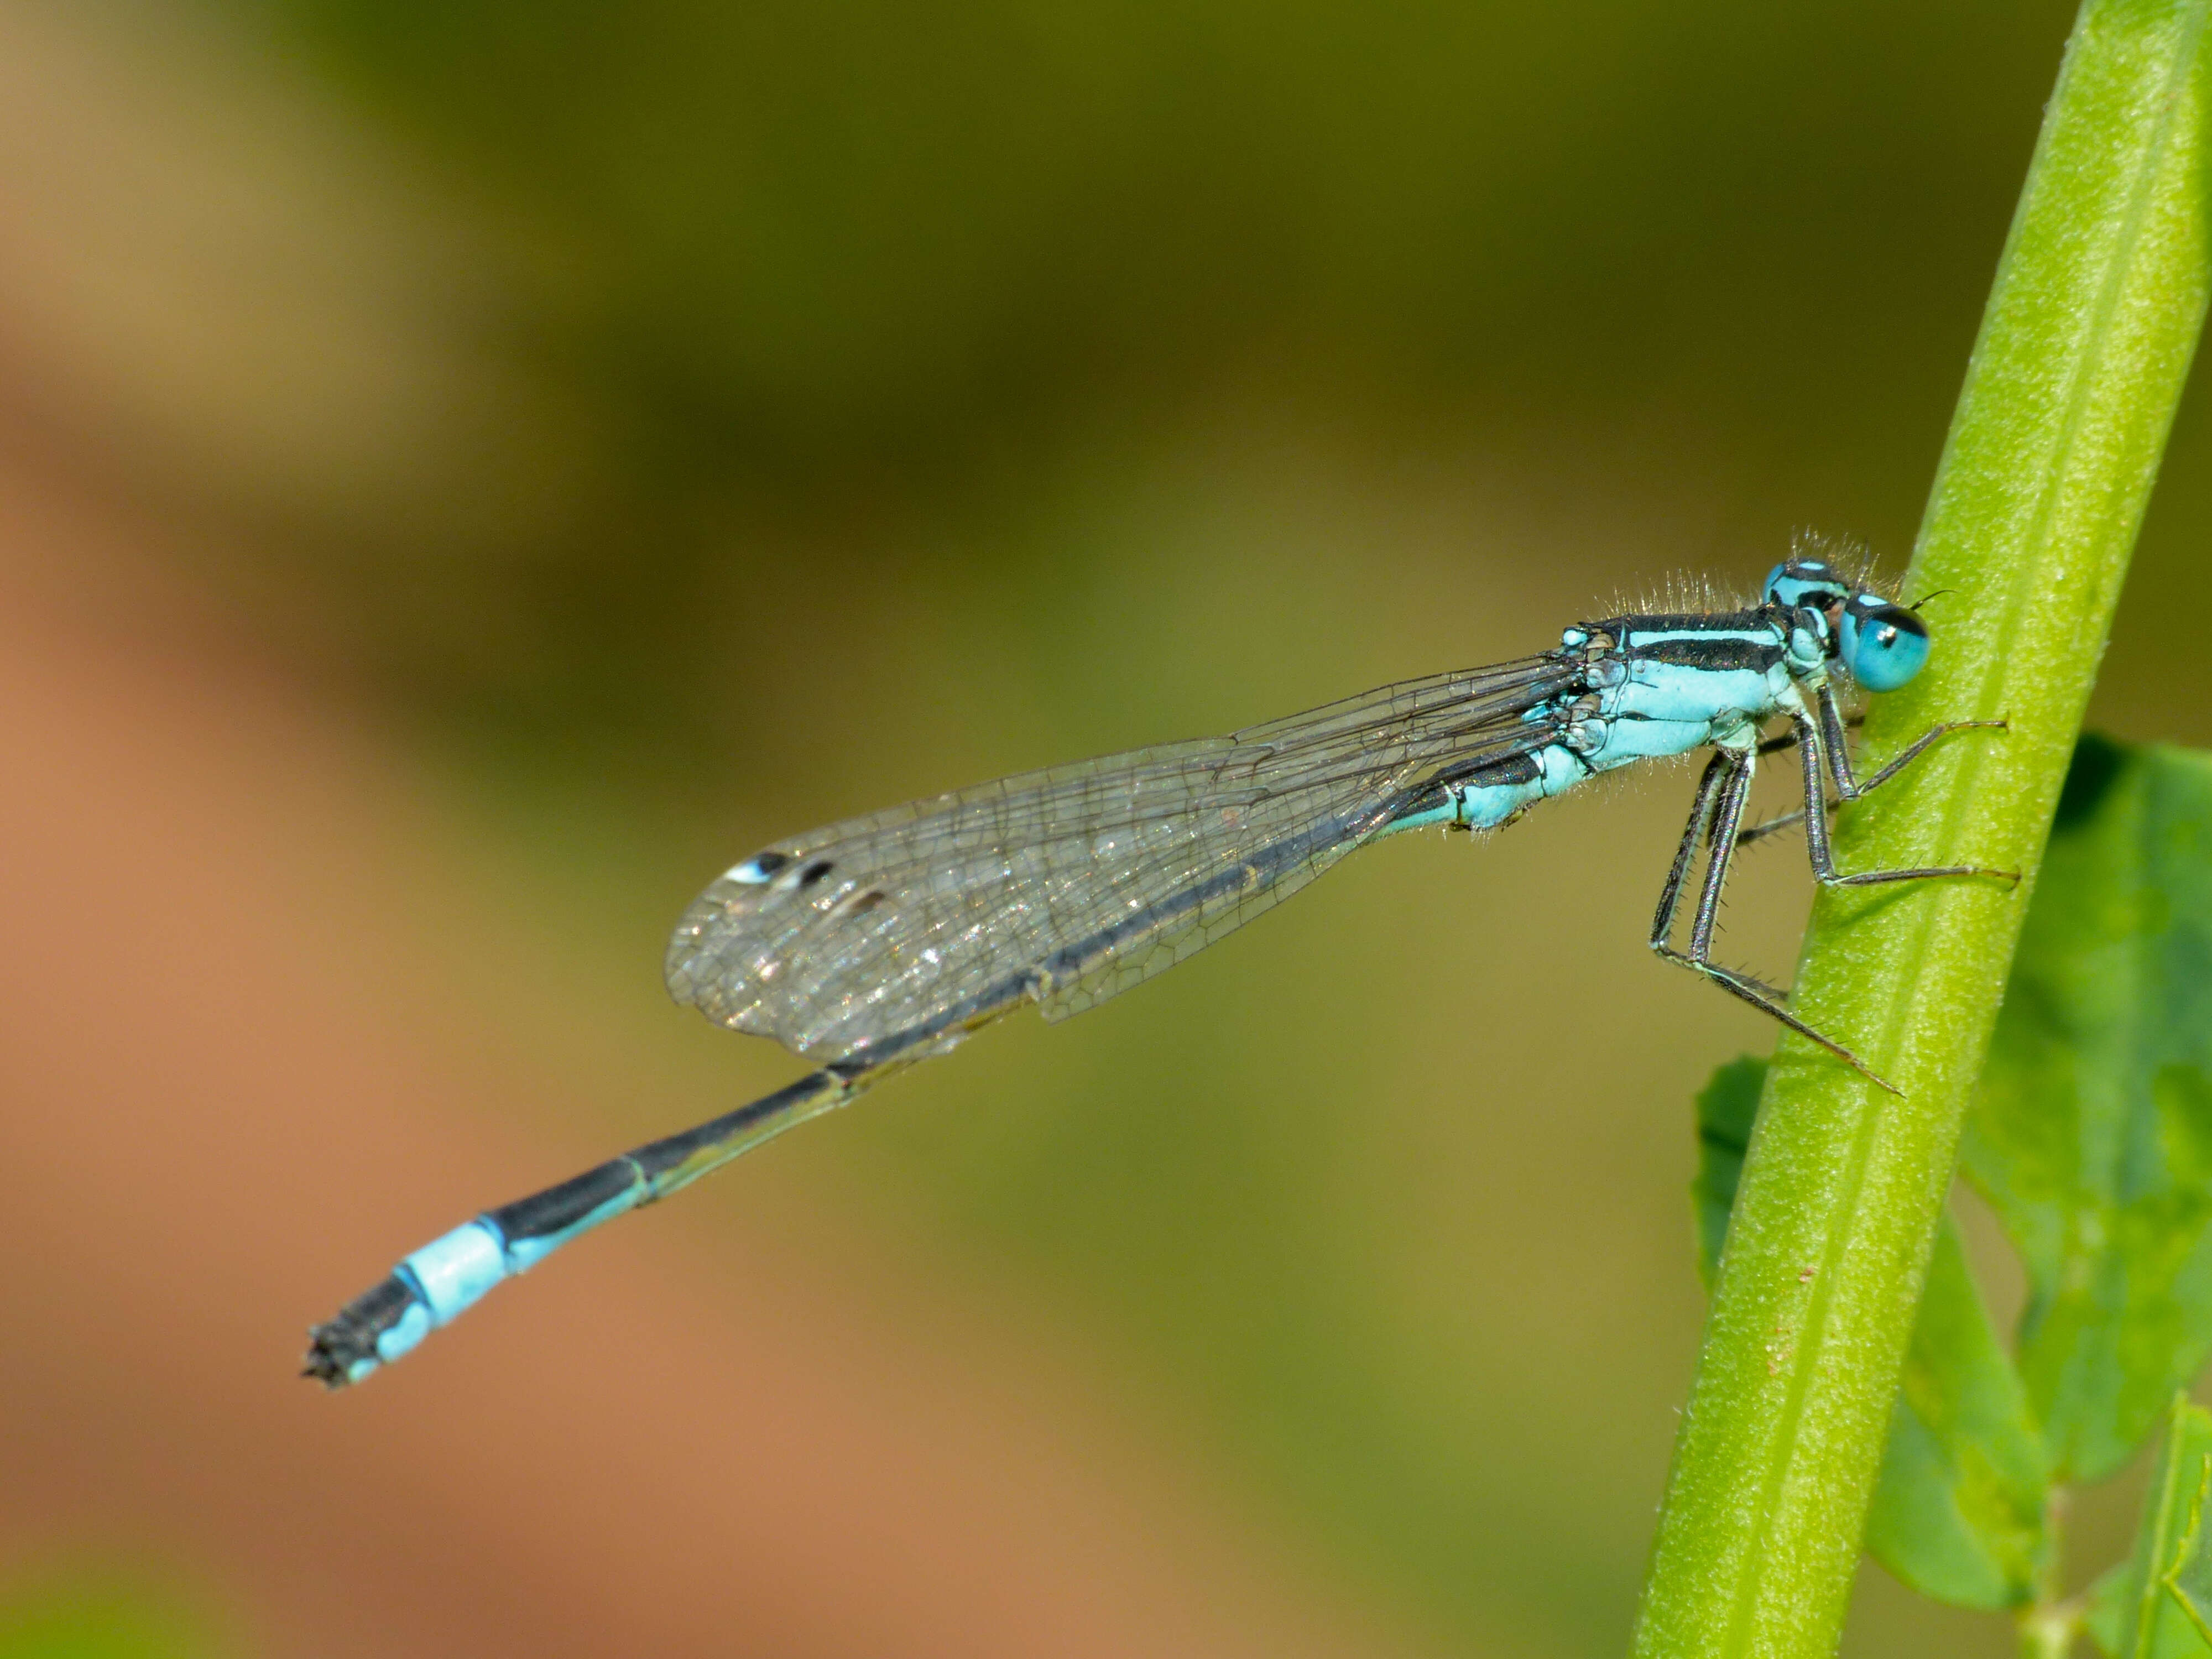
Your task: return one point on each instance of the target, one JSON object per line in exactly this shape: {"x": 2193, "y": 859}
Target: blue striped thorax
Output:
{"x": 1648, "y": 686}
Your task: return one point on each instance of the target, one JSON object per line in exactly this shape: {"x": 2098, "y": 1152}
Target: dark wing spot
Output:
{"x": 814, "y": 872}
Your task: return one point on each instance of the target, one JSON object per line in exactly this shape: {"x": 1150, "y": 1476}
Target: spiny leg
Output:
{"x": 1727, "y": 818}
{"x": 1838, "y": 753}
{"x": 1698, "y": 829}
{"x": 1773, "y": 826}
{"x": 1775, "y": 745}
{"x": 1717, "y": 822}
{"x": 1833, "y": 723}
{"x": 1811, "y": 740}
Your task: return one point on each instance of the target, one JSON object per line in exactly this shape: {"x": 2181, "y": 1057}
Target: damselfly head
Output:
{"x": 1879, "y": 643}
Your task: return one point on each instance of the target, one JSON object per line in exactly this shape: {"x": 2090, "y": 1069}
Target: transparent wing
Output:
{"x": 901, "y": 931}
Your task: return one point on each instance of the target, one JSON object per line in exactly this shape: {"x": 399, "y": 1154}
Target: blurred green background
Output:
{"x": 646, "y": 430}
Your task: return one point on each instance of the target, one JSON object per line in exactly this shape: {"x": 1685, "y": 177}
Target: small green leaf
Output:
{"x": 2188, "y": 1577}
{"x": 2092, "y": 1131}
{"x": 1958, "y": 1511}
{"x": 2141, "y": 1614}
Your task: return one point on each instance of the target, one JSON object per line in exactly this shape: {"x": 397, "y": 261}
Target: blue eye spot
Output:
{"x": 1882, "y": 644}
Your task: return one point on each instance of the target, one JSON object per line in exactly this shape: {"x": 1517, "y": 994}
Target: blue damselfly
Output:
{"x": 885, "y": 940}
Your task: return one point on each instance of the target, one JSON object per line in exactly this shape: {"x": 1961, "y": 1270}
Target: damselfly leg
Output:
{"x": 1829, "y": 735}
{"x": 1835, "y": 724}
{"x": 1716, "y": 821}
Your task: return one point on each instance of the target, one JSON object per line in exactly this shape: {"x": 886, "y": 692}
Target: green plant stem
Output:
{"x": 2082, "y": 355}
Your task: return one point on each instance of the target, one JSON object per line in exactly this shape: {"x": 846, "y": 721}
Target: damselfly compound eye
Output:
{"x": 1883, "y": 645}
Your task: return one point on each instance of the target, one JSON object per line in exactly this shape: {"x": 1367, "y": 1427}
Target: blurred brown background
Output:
{"x": 468, "y": 471}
